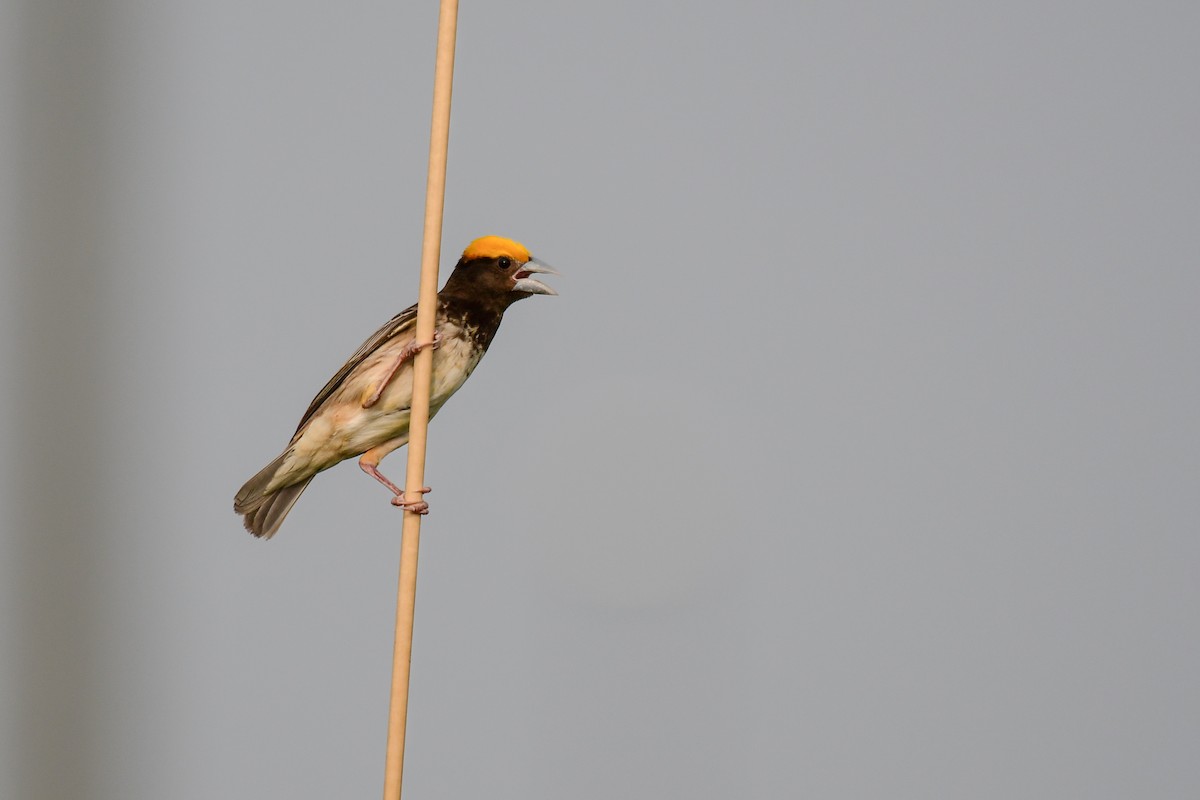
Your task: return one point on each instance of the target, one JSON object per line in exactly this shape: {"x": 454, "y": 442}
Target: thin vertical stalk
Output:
{"x": 431, "y": 246}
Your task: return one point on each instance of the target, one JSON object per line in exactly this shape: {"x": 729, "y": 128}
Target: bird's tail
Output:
{"x": 264, "y": 511}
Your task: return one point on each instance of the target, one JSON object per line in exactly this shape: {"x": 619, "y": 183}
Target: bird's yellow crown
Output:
{"x": 495, "y": 247}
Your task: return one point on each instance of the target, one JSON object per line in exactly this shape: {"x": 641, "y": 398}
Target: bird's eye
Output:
{"x": 505, "y": 262}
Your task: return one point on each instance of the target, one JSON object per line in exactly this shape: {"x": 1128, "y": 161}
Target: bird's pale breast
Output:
{"x": 344, "y": 429}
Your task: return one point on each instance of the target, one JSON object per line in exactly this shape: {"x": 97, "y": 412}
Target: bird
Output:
{"x": 365, "y": 408}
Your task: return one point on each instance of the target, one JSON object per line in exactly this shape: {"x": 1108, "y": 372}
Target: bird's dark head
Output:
{"x": 500, "y": 269}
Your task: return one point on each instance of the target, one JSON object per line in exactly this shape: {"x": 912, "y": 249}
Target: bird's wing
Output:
{"x": 400, "y": 324}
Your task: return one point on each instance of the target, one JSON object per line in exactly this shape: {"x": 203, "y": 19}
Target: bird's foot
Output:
{"x": 413, "y": 349}
{"x": 416, "y": 506}
{"x": 407, "y": 354}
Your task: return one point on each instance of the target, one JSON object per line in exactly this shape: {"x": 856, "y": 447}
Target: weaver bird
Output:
{"x": 365, "y": 408}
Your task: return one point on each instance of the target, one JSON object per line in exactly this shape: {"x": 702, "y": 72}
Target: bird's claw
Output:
{"x": 435, "y": 344}
{"x": 416, "y": 506}
{"x": 414, "y": 348}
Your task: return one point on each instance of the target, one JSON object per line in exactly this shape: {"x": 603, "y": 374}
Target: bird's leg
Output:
{"x": 405, "y": 355}
{"x": 369, "y": 463}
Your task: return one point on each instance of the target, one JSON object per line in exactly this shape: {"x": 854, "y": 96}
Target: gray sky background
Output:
{"x": 859, "y": 456}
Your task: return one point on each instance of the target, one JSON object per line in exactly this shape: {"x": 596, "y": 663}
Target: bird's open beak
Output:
{"x": 533, "y": 285}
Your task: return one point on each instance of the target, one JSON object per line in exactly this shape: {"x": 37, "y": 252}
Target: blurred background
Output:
{"x": 859, "y": 456}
